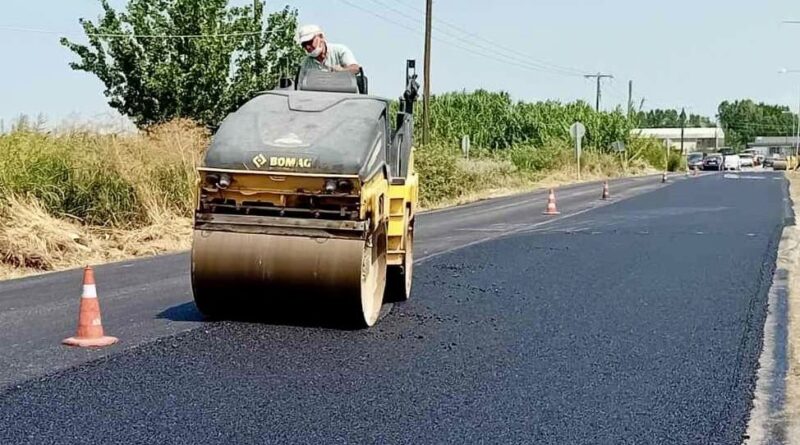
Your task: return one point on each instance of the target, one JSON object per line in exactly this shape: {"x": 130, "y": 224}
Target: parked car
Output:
{"x": 732, "y": 162}
{"x": 747, "y": 160}
{"x": 770, "y": 160}
{"x": 694, "y": 161}
{"x": 713, "y": 162}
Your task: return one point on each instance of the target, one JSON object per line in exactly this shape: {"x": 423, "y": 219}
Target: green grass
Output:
{"x": 101, "y": 180}
{"x": 133, "y": 181}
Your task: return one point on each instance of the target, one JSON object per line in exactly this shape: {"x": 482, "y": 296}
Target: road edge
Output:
{"x": 775, "y": 413}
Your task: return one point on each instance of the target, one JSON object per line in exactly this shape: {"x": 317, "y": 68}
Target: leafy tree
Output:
{"x": 199, "y": 59}
{"x": 744, "y": 120}
{"x": 670, "y": 119}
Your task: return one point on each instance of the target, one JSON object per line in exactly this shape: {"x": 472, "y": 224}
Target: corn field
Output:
{"x": 494, "y": 121}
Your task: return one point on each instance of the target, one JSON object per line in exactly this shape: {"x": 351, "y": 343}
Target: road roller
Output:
{"x": 308, "y": 192}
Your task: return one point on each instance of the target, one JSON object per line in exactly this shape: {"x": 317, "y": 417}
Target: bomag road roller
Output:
{"x": 308, "y": 191}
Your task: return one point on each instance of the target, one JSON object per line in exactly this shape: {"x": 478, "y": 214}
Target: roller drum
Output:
{"x": 231, "y": 270}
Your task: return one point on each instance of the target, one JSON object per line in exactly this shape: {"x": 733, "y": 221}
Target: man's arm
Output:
{"x": 349, "y": 62}
{"x": 353, "y": 68}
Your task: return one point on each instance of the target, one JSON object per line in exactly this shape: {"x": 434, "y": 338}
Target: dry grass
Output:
{"x": 73, "y": 198}
{"x": 67, "y": 200}
{"x": 32, "y": 241}
{"x": 500, "y": 178}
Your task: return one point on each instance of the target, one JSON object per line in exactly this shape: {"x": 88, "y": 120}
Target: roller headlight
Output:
{"x": 345, "y": 186}
{"x": 330, "y": 186}
{"x": 210, "y": 183}
{"x": 224, "y": 181}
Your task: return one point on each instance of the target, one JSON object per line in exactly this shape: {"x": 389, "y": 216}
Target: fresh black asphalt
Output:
{"x": 147, "y": 299}
{"x": 636, "y": 322}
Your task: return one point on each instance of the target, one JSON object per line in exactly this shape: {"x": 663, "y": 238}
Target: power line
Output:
{"x": 135, "y": 36}
{"x": 496, "y": 46}
{"x": 492, "y": 46}
{"x": 472, "y": 50}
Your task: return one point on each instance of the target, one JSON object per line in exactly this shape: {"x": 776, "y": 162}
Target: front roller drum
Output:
{"x": 231, "y": 271}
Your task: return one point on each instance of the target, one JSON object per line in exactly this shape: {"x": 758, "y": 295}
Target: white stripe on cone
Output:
{"x": 89, "y": 291}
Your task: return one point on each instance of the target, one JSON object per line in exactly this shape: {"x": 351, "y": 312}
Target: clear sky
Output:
{"x": 678, "y": 53}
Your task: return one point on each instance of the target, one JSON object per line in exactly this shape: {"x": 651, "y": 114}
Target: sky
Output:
{"x": 680, "y": 53}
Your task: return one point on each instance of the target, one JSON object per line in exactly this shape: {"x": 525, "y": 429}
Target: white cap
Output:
{"x": 307, "y": 32}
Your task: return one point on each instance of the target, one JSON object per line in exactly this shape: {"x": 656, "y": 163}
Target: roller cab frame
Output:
{"x": 309, "y": 190}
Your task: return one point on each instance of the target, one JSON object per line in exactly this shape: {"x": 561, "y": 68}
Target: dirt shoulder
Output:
{"x": 792, "y": 411}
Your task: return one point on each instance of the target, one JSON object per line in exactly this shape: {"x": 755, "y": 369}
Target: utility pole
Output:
{"x": 256, "y": 40}
{"x": 599, "y": 77}
{"x": 630, "y": 99}
{"x": 426, "y": 111}
{"x": 797, "y": 136}
{"x": 683, "y": 125}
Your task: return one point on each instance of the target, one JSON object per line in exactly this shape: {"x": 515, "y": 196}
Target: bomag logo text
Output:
{"x": 282, "y": 161}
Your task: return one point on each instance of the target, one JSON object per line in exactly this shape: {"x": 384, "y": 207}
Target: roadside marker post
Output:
{"x": 578, "y": 131}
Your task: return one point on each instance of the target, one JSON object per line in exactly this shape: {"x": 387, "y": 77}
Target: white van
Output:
{"x": 732, "y": 162}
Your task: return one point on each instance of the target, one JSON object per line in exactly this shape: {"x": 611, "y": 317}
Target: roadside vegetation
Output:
{"x": 76, "y": 198}
{"x": 79, "y": 197}
{"x": 82, "y": 197}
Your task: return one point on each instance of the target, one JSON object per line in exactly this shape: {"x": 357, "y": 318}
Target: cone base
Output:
{"x": 551, "y": 213}
{"x": 90, "y": 342}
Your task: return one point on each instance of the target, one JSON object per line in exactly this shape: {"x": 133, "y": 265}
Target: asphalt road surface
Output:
{"x": 635, "y": 321}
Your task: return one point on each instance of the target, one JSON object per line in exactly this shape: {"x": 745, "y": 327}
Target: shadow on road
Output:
{"x": 182, "y": 312}
{"x": 304, "y": 314}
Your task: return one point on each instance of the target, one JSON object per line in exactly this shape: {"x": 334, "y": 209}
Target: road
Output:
{"x": 635, "y": 321}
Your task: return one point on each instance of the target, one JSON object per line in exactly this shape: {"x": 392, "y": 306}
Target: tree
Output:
{"x": 744, "y": 120}
{"x": 200, "y": 59}
{"x": 670, "y": 119}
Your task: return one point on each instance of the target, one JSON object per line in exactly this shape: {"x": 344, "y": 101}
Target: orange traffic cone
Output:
{"x": 551, "y": 204}
{"x": 606, "y": 194}
{"x": 90, "y": 327}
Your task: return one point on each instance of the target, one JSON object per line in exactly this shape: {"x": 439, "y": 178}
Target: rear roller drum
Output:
{"x": 398, "y": 281}
{"x": 373, "y": 281}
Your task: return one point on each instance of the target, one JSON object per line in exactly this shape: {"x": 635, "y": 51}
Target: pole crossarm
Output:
{"x": 599, "y": 77}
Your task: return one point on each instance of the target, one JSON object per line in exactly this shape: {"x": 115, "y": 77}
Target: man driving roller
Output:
{"x": 323, "y": 55}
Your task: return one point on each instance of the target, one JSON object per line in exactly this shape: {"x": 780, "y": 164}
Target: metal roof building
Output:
{"x": 786, "y": 145}
{"x": 694, "y": 139}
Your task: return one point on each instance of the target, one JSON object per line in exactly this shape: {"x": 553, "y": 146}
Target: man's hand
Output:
{"x": 350, "y": 68}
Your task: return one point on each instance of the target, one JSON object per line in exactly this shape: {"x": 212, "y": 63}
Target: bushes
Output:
{"x": 445, "y": 176}
{"x": 537, "y": 159}
{"x": 102, "y": 180}
{"x": 437, "y": 166}
{"x": 654, "y": 153}
{"x": 132, "y": 181}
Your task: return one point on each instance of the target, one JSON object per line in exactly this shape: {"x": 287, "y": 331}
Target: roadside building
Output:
{"x": 694, "y": 139}
{"x": 768, "y": 145}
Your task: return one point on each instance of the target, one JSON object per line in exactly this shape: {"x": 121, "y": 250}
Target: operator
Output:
{"x": 323, "y": 55}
